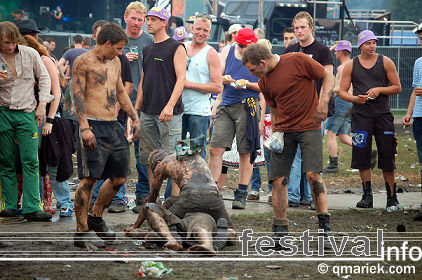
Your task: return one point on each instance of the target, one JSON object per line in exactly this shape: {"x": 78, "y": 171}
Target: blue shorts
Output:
{"x": 339, "y": 123}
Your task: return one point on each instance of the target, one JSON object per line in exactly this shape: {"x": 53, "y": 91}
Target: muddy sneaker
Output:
{"x": 418, "y": 216}
{"x": 220, "y": 239}
{"x": 305, "y": 202}
{"x": 38, "y": 216}
{"x": 117, "y": 207}
{"x": 293, "y": 204}
{"x": 239, "y": 201}
{"x": 65, "y": 212}
{"x": 254, "y": 195}
{"x": 101, "y": 229}
{"x": 139, "y": 203}
{"x": 87, "y": 240}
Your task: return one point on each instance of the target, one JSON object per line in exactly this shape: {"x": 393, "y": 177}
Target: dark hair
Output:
{"x": 254, "y": 53}
{"x": 10, "y": 31}
{"x": 98, "y": 23}
{"x": 346, "y": 52}
{"x": 77, "y": 39}
{"x": 111, "y": 32}
{"x": 156, "y": 156}
{"x": 49, "y": 40}
{"x": 86, "y": 41}
{"x": 288, "y": 30}
{"x": 30, "y": 41}
{"x": 66, "y": 49}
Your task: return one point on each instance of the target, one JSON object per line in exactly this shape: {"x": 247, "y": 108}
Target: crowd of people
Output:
{"x": 156, "y": 92}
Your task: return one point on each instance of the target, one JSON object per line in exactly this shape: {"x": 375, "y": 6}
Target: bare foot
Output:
{"x": 173, "y": 245}
{"x": 136, "y": 233}
{"x": 199, "y": 249}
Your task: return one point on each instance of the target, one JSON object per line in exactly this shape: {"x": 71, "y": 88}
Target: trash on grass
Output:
{"x": 273, "y": 266}
{"x": 402, "y": 178}
{"x": 153, "y": 269}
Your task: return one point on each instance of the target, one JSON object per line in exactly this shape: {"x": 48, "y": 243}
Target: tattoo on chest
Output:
{"x": 100, "y": 78}
{"x": 111, "y": 99}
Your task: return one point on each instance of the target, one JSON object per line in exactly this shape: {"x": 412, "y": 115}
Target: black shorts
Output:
{"x": 205, "y": 199}
{"x": 110, "y": 158}
{"x": 382, "y": 127}
{"x": 311, "y": 146}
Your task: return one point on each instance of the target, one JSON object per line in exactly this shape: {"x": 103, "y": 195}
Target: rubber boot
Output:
{"x": 239, "y": 201}
{"x": 19, "y": 179}
{"x": 48, "y": 194}
{"x": 280, "y": 229}
{"x": 367, "y": 199}
{"x": 333, "y": 166}
{"x": 324, "y": 225}
{"x": 391, "y": 198}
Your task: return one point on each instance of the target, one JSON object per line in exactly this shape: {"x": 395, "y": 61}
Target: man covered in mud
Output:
{"x": 196, "y": 231}
{"x": 103, "y": 151}
{"x": 198, "y": 193}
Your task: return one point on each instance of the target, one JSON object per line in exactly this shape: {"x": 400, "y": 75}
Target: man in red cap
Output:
{"x": 374, "y": 78}
{"x": 232, "y": 118}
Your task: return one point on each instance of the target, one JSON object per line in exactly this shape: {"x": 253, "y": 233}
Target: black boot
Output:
{"x": 278, "y": 233}
{"x": 391, "y": 198}
{"x": 239, "y": 201}
{"x": 333, "y": 167}
{"x": 324, "y": 224}
{"x": 367, "y": 199}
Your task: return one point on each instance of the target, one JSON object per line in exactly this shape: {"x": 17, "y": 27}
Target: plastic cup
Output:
{"x": 134, "y": 49}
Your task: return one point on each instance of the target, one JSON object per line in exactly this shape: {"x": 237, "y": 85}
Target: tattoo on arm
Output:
{"x": 79, "y": 95}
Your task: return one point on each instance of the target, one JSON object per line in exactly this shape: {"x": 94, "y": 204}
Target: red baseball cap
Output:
{"x": 246, "y": 36}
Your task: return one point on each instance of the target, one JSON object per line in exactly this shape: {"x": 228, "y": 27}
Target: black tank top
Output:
{"x": 364, "y": 79}
{"x": 159, "y": 77}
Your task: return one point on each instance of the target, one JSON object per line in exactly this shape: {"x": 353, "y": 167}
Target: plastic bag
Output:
{"x": 275, "y": 142}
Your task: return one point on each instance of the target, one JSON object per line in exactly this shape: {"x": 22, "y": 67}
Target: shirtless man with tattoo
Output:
{"x": 103, "y": 151}
{"x": 198, "y": 193}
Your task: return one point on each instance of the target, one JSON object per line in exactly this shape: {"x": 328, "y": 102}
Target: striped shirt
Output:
{"x": 417, "y": 82}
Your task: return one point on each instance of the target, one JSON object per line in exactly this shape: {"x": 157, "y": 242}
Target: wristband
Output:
{"x": 50, "y": 120}
{"x": 85, "y": 129}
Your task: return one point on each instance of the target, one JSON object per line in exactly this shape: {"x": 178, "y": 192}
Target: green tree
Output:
{"x": 6, "y": 9}
{"x": 406, "y": 10}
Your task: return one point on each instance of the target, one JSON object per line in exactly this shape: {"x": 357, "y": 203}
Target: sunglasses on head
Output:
{"x": 242, "y": 46}
{"x": 204, "y": 15}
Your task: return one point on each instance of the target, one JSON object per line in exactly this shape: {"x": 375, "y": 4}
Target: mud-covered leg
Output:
{"x": 160, "y": 227}
{"x": 204, "y": 239}
{"x": 107, "y": 191}
{"x": 82, "y": 199}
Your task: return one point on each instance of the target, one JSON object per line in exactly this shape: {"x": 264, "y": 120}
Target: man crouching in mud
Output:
{"x": 103, "y": 151}
{"x": 198, "y": 193}
{"x": 196, "y": 231}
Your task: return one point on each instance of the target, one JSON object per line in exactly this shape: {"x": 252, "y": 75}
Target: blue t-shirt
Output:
{"x": 71, "y": 55}
{"x": 417, "y": 82}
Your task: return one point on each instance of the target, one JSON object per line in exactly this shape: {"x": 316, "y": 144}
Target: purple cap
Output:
{"x": 180, "y": 33}
{"x": 158, "y": 12}
{"x": 343, "y": 45}
{"x": 365, "y": 36}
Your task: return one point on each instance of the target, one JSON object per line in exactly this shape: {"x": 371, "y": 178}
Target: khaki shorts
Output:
{"x": 311, "y": 145}
{"x": 156, "y": 135}
{"x": 231, "y": 121}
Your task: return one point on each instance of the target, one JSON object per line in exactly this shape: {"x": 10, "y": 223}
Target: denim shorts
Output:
{"x": 363, "y": 128}
{"x": 311, "y": 145}
{"x": 339, "y": 123}
{"x": 156, "y": 135}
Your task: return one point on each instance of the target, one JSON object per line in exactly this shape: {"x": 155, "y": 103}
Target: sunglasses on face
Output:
{"x": 204, "y": 15}
{"x": 242, "y": 46}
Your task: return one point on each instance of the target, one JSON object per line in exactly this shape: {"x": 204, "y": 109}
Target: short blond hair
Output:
{"x": 265, "y": 42}
{"x": 137, "y": 6}
{"x": 304, "y": 15}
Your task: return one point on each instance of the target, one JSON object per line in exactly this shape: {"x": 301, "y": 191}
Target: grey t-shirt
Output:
{"x": 136, "y": 66}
